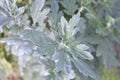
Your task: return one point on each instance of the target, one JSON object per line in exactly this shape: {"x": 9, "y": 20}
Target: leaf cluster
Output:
{"x": 60, "y": 40}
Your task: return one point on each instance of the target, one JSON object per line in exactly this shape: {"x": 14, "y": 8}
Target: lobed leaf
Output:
{"x": 83, "y": 68}
{"x": 36, "y": 12}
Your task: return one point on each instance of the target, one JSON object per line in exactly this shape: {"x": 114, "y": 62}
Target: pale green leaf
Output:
{"x": 70, "y": 6}
{"x": 105, "y": 49}
{"x": 74, "y": 20}
{"x": 83, "y": 68}
{"x": 36, "y": 12}
{"x": 62, "y": 61}
{"x": 78, "y": 51}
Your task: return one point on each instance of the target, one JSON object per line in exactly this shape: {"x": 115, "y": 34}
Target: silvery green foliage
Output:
{"x": 10, "y": 13}
{"x": 102, "y": 31}
{"x": 70, "y": 6}
{"x": 108, "y": 53}
{"x": 61, "y": 47}
{"x": 55, "y": 14}
{"x": 62, "y": 52}
{"x": 115, "y": 11}
{"x": 36, "y": 12}
{"x": 104, "y": 50}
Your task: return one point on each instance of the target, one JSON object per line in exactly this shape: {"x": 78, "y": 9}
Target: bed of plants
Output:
{"x": 61, "y": 39}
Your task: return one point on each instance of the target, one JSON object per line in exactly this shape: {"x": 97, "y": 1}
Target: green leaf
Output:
{"x": 92, "y": 39}
{"x": 31, "y": 35}
{"x": 4, "y": 11}
{"x": 74, "y": 20}
{"x": 44, "y": 43}
{"x": 62, "y": 61}
{"x": 70, "y": 6}
{"x": 69, "y": 29}
{"x": 83, "y": 68}
{"x": 18, "y": 49}
{"x": 3, "y": 19}
{"x": 45, "y": 49}
{"x": 37, "y": 13}
{"x": 82, "y": 25}
{"x": 54, "y": 6}
{"x": 64, "y": 25}
{"x": 105, "y": 49}
{"x": 55, "y": 14}
{"x": 81, "y": 51}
